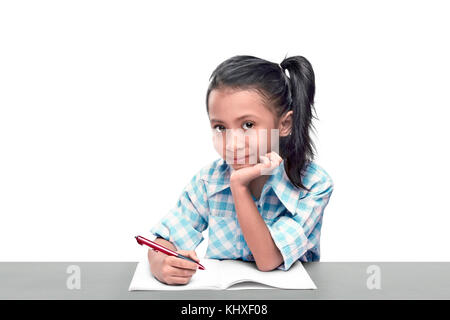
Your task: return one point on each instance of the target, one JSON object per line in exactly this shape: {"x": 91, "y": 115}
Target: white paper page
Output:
{"x": 202, "y": 279}
{"x": 236, "y": 271}
{"x": 249, "y": 285}
{"x": 226, "y": 271}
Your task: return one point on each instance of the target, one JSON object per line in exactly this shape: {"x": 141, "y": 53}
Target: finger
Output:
{"x": 271, "y": 156}
{"x": 178, "y": 280}
{"x": 269, "y": 167}
{"x": 181, "y": 263}
{"x": 275, "y": 159}
{"x": 193, "y": 255}
{"x": 270, "y": 161}
{"x": 190, "y": 254}
{"x": 265, "y": 160}
{"x": 274, "y": 164}
{"x": 275, "y": 155}
{"x": 179, "y": 272}
{"x": 278, "y": 158}
{"x": 266, "y": 166}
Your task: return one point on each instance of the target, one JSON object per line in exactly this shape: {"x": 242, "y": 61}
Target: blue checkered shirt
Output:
{"x": 292, "y": 215}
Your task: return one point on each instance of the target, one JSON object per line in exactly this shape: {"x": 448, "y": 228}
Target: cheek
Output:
{"x": 219, "y": 143}
{"x": 258, "y": 145}
{"x": 263, "y": 142}
{"x": 271, "y": 141}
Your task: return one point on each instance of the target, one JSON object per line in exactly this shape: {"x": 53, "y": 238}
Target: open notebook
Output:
{"x": 227, "y": 274}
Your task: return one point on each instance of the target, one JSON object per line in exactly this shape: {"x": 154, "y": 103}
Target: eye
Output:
{"x": 248, "y": 123}
{"x": 216, "y": 127}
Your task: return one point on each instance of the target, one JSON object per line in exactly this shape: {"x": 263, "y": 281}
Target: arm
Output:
{"x": 180, "y": 228}
{"x": 293, "y": 233}
{"x": 267, "y": 255}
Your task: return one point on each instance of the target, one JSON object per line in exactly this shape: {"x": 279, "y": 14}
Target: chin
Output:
{"x": 239, "y": 166}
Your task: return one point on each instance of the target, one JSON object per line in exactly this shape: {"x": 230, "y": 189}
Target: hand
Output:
{"x": 244, "y": 176}
{"x": 173, "y": 270}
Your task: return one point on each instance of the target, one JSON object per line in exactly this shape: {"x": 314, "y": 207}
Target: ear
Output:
{"x": 285, "y": 124}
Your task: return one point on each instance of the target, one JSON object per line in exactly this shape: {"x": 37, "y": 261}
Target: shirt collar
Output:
{"x": 286, "y": 192}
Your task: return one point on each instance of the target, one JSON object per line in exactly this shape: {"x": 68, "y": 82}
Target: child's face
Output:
{"x": 243, "y": 127}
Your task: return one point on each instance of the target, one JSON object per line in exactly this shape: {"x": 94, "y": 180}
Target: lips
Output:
{"x": 237, "y": 159}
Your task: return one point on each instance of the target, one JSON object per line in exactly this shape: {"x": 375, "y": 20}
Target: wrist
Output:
{"x": 238, "y": 187}
{"x": 239, "y": 182}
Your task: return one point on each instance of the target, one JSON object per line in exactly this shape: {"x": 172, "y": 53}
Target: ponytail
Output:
{"x": 297, "y": 149}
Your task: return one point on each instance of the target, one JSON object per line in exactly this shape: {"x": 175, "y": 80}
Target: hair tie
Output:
{"x": 284, "y": 71}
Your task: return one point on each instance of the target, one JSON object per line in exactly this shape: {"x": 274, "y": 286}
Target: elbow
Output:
{"x": 266, "y": 267}
{"x": 272, "y": 264}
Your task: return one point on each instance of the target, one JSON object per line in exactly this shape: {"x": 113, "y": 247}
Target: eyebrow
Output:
{"x": 240, "y": 118}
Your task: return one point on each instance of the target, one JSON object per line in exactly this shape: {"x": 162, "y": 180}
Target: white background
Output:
{"x": 103, "y": 119}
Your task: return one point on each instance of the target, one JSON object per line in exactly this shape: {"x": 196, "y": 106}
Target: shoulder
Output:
{"x": 320, "y": 185}
{"x": 216, "y": 170}
{"x": 316, "y": 178}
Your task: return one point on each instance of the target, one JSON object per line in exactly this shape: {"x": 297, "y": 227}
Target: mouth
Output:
{"x": 237, "y": 159}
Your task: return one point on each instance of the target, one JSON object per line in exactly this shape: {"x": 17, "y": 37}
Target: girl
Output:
{"x": 259, "y": 206}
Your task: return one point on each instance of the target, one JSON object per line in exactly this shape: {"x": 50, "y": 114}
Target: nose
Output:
{"x": 235, "y": 140}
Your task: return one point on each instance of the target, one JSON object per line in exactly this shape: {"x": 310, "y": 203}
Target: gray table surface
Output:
{"x": 334, "y": 280}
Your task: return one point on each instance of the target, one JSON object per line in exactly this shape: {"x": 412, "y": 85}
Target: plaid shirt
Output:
{"x": 292, "y": 215}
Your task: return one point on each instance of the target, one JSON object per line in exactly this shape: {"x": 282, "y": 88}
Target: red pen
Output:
{"x": 157, "y": 247}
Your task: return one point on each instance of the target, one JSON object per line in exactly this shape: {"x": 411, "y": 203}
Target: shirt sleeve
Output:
{"x": 295, "y": 233}
{"x": 183, "y": 224}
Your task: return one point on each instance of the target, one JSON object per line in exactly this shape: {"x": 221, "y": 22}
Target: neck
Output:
{"x": 256, "y": 185}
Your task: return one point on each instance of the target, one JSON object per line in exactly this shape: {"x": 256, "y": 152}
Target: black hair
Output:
{"x": 281, "y": 94}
